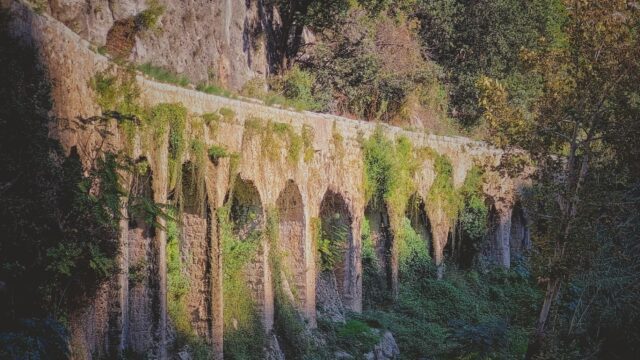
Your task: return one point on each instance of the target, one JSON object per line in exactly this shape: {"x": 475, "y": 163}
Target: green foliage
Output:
{"x": 490, "y": 35}
{"x": 442, "y": 192}
{"x": 244, "y": 335}
{"x": 116, "y": 91}
{"x": 413, "y": 250}
{"x": 217, "y": 152}
{"x": 163, "y": 75}
{"x": 227, "y": 114}
{"x": 307, "y": 143}
{"x": 368, "y": 248}
{"x": 473, "y": 216}
{"x": 464, "y": 314}
{"x": 332, "y": 243}
{"x": 170, "y": 118}
{"x": 389, "y": 171}
{"x": 35, "y": 339}
{"x": 215, "y": 90}
{"x": 148, "y": 18}
{"x": 274, "y": 136}
{"x": 296, "y": 88}
{"x": 357, "y": 336}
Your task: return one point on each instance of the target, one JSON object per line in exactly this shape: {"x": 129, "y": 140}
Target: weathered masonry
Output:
{"x": 322, "y": 183}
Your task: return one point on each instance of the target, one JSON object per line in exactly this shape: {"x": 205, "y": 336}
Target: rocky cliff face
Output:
{"x": 220, "y": 41}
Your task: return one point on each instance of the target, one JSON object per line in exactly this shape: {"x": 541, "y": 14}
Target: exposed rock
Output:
{"x": 328, "y": 300}
{"x": 274, "y": 352}
{"x": 386, "y": 349}
{"x": 342, "y": 355}
{"x": 222, "y": 41}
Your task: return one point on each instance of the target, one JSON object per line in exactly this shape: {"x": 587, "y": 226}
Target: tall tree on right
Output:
{"x": 590, "y": 92}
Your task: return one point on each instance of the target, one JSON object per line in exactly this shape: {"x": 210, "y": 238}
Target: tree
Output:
{"x": 475, "y": 38}
{"x": 295, "y": 15}
{"x": 572, "y": 127}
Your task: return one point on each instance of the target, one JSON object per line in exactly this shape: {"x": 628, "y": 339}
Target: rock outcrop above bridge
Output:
{"x": 306, "y": 167}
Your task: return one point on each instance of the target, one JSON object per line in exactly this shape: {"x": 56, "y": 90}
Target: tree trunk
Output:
{"x": 535, "y": 345}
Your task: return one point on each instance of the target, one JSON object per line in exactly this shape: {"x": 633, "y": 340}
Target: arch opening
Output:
{"x": 519, "y": 240}
{"x": 417, "y": 239}
{"x": 335, "y": 251}
{"x": 377, "y": 241}
{"x": 491, "y": 243}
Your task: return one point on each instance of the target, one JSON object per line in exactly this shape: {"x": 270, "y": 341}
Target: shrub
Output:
{"x": 147, "y": 19}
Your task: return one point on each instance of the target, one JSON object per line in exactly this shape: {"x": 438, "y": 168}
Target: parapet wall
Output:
{"x": 332, "y": 176}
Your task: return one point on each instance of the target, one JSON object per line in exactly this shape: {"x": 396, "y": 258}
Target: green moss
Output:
{"x": 217, "y": 152}
{"x": 442, "y": 193}
{"x": 117, "y": 91}
{"x": 273, "y": 137}
{"x": 389, "y": 171}
{"x": 198, "y": 173}
{"x": 215, "y": 90}
{"x": 163, "y": 75}
{"x": 307, "y": 143}
{"x": 172, "y": 118}
{"x": 177, "y": 281}
{"x": 338, "y": 141}
{"x": 228, "y": 115}
{"x": 147, "y": 19}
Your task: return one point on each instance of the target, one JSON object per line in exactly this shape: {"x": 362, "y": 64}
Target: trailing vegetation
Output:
{"x": 243, "y": 327}
{"x": 275, "y": 136}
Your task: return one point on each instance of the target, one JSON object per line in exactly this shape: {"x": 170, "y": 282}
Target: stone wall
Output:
{"x": 328, "y": 182}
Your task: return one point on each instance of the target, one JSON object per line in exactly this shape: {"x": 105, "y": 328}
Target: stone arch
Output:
{"x": 141, "y": 261}
{"x": 519, "y": 240}
{"x": 291, "y": 232}
{"x": 334, "y": 284}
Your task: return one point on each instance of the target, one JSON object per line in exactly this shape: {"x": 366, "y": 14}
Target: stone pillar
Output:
{"x": 310, "y": 268}
{"x": 217, "y": 305}
{"x": 269, "y": 306}
{"x": 440, "y": 237}
{"x": 160, "y": 184}
{"x": 123, "y": 277}
{"x": 353, "y": 275}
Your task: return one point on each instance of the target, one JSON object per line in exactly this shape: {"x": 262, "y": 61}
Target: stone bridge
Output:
{"x": 327, "y": 182}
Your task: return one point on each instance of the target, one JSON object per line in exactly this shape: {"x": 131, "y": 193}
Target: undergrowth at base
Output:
{"x": 466, "y": 315}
